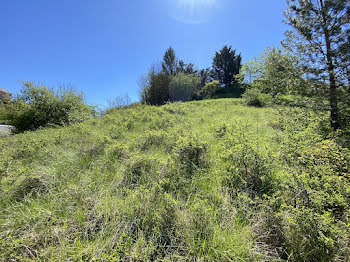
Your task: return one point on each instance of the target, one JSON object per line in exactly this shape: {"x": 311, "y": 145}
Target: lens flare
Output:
{"x": 195, "y": 3}
{"x": 191, "y": 11}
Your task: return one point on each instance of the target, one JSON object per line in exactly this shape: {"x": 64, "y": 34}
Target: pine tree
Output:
{"x": 321, "y": 30}
{"x": 170, "y": 62}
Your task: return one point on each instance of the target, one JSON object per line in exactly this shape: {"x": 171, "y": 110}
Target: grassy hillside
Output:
{"x": 201, "y": 181}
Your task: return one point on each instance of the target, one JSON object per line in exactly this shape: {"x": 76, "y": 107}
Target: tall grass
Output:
{"x": 199, "y": 181}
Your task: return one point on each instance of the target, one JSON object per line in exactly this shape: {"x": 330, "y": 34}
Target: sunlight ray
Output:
{"x": 191, "y": 11}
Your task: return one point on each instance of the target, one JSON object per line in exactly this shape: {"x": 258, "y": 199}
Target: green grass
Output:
{"x": 183, "y": 182}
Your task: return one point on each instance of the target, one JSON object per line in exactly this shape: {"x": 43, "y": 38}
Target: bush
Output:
{"x": 40, "y": 106}
{"x": 298, "y": 101}
{"x": 210, "y": 89}
{"x": 190, "y": 152}
{"x": 181, "y": 87}
{"x": 248, "y": 166}
{"x": 5, "y": 100}
{"x": 157, "y": 91}
{"x": 253, "y": 97}
{"x": 309, "y": 215}
{"x": 2, "y": 114}
{"x": 234, "y": 91}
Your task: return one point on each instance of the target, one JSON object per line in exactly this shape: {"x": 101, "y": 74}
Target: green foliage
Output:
{"x": 39, "y": 106}
{"x": 344, "y": 114}
{"x": 253, "y": 97}
{"x": 157, "y": 93}
{"x": 5, "y": 99}
{"x": 186, "y": 68}
{"x": 210, "y": 180}
{"x": 191, "y": 154}
{"x": 187, "y": 83}
{"x": 234, "y": 91}
{"x": 181, "y": 87}
{"x": 248, "y": 167}
{"x": 319, "y": 36}
{"x": 226, "y": 64}
{"x": 275, "y": 72}
{"x": 307, "y": 218}
{"x": 174, "y": 80}
{"x": 210, "y": 89}
{"x": 291, "y": 100}
{"x": 170, "y": 62}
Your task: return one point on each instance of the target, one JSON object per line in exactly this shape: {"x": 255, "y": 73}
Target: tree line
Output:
{"x": 314, "y": 62}
{"x": 174, "y": 80}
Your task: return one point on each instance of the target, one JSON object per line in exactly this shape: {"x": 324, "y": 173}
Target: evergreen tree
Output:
{"x": 170, "y": 62}
{"x": 186, "y": 68}
{"x": 204, "y": 76}
{"x": 321, "y": 35}
{"x": 226, "y": 64}
{"x": 158, "y": 93}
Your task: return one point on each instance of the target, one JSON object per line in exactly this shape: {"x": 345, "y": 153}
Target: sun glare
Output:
{"x": 191, "y": 11}
{"x": 196, "y": 3}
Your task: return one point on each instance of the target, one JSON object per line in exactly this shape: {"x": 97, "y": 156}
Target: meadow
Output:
{"x": 211, "y": 180}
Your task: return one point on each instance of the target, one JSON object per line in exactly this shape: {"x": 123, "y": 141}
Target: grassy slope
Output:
{"x": 139, "y": 184}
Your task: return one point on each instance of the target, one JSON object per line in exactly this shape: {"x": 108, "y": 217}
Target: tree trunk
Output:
{"x": 348, "y": 74}
{"x": 333, "y": 100}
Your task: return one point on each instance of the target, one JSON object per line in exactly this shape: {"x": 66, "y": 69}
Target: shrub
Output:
{"x": 151, "y": 138}
{"x": 156, "y": 91}
{"x": 191, "y": 154}
{"x": 181, "y": 87}
{"x": 297, "y": 101}
{"x": 248, "y": 166}
{"x": 307, "y": 218}
{"x": 253, "y": 97}
{"x": 235, "y": 90}
{"x": 5, "y": 100}
{"x": 2, "y": 113}
{"x": 139, "y": 170}
{"x": 40, "y": 106}
{"x": 300, "y": 234}
{"x": 210, "y": 89}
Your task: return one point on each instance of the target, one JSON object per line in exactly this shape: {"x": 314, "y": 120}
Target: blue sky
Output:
{"x": 101, "y": 47}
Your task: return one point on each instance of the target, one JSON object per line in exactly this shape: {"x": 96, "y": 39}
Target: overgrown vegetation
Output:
{"x": 211, "y": 180}
{"x": 39, "y": 106}
{"x": 263, "y": 178}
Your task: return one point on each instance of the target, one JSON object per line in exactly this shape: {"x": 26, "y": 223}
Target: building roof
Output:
{"x": 5, "y": 91}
